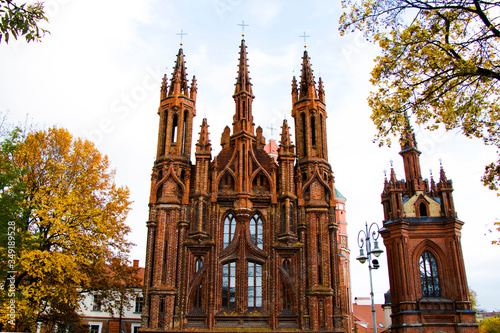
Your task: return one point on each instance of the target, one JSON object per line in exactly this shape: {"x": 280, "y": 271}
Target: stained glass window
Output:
{"x": 429, "y": 275}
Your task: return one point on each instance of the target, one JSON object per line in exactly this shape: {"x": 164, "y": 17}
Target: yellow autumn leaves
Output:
{"x": 71, "y": 229}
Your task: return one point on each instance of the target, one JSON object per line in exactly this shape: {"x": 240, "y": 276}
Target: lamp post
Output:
{"x": 365, "y": 239}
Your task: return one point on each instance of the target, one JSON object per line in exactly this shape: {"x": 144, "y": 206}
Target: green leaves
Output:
{"x": 21, "y": 20}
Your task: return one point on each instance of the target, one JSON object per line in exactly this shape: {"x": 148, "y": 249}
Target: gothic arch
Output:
{"x": 422, "y": 208}
{"x": 288, "y": 282}
{"x": 263, "y": 172}
{"x": 439, "y": 256}
{"x": 195, "y": 283}
{"x": 170, "y": 174}
{"x": 316, "y": 175}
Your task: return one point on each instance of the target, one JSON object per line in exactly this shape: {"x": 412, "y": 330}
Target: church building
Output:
{"x": 421, "y": 232}
{"x": 241, "y": 240}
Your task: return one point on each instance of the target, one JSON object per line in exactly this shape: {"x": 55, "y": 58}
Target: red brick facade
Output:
{"x": 421, "y": 232}
{"x": 242, "y": 241}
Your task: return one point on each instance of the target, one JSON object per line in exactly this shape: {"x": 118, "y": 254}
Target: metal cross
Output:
{"x": 243, "y": 25}
{"x": 272, "y": 130}
{"x": 182, "y": 33}
{"x": 305, "y": 36}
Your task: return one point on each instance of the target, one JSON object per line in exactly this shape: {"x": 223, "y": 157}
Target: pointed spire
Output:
{"x": 321, "y": 90}
{"x": 408, "y": 138}
{"x": 194, "y": 88}
{"x": 295, "y": 90}
{"x": 307, "y": 84}
{"x": 442, "y": 174}
{"x": 178, "y": 84}
{"x": 203, "y": 145}
{"x": 285, "y": 135}
{"x": 393, "y": 175}
{"x": 164, "y": 87}
{"x": 433, "y": 183}
{"x": 243, "y": 79}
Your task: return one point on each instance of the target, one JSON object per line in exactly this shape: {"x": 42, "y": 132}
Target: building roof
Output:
{"x": 339, "y": 195}
{"x": 363, "y": 317}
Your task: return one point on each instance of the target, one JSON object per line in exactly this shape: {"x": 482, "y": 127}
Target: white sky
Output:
{"x": 98, "y": 74}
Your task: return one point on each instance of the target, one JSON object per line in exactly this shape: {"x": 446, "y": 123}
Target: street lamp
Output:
{"x": 365, "y": 239}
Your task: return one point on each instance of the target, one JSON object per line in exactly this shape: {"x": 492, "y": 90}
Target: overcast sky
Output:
{"x": 98, "y": 74}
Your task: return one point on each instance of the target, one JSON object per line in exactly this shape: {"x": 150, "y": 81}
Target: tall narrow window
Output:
{"x": 283, "y": 218}
{"x": 291, "y": 219}
{"x": 244, "y": 109}
{"x": 229, "y": 228}
{"x": 256, "y": 231}
{"x": 313, "y": 130}
{"x": 322, "y": 135}
{"x": 164, "y": 134}
{"x": 203, "y": 216}
{"x": 254, "y": 285}
{"x": 229, "y": 285}
{"x": 198, "y": 264}
{"x": 174, "y": 129}
{"x": 243, "y": 161}
{"x": 184, "y": 128}
{"x": 423, "y": 210}
{"x": 320, "y": 256}
{"x": 198, "y": 296}
{"x": 429, "y": 275}
{"x": 304, "y": 134}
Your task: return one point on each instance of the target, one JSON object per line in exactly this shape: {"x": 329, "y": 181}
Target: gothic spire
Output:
{"x": 178, "y": 84}
{"x": 243, "y": 97}
{"x": 321, "y": 90}
{"x": 295, "y": 90}
{"x": 307, "y": 84}
{"x": 164, "y": 87}
{"x": 203, "y": 145}
{"x": 442, "y": 175}
{"x": 408, "y": 138}
{"x": 194, "y": 88}
{"x": 285, "y": 141}
{"x": 243, "y": 80}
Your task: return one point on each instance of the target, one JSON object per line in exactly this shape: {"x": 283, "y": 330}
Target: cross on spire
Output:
{"x": 305, "y": 37}
{"x": 272, "y": 129}
{"x": 182, "y": 33}
{"x": 243, "y": 25}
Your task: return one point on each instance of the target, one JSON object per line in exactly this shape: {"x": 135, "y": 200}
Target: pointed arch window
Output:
{"x": 184, "y": 128}
{"x": 422, "y": 209}
{"x": 256, "y": 231}
{"x": 174, "y": 129}
{"x": 229, "y": 229}
{"x": 254, "y": 285}
{"x": 229, "y": 285}
{"x": 291, "y": 219}
{"x": 313, "y": 130}
{"x": 198, "y": 264}
{"x": 286, "y": 296}
{"x": 429, "y": 275}
{"x": 203, "y": 216}
{"x": 283, "y": 218}
{"x": 304, "y": 133}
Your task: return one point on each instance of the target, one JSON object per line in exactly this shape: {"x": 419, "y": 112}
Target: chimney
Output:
{"x": 136, "y": 263}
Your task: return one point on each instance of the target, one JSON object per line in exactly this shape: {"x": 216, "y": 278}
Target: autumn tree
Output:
{"x": 21, "y": 20}
{"x": 69, "y": 228}
{"x": 439, "y": 64}
{"x": 490, "y": 325}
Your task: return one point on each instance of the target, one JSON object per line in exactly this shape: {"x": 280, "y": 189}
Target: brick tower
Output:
{"x": 242, "y": 240}
{"x": 421, "y": 232}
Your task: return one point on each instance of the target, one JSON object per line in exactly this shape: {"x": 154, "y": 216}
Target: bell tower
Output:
{"x": 168, "y": 220}
{"x": 421, "y": 231}
{"x": 317, "y": 227}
